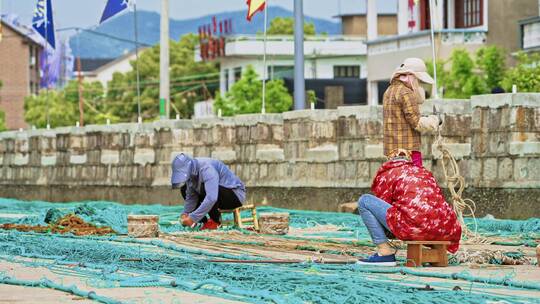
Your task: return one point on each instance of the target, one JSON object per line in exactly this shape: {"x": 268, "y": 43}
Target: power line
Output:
{"x": 103, "y": 35}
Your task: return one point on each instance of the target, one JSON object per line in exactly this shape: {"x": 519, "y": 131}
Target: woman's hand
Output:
{"x": 186, "y": 220}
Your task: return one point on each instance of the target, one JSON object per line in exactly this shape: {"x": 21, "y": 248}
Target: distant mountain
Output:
{"x": 89, "y": 45}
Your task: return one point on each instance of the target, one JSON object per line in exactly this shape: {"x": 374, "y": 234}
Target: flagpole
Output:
{"x": 164, "y": 63}
{"x": 265, "y": 71}
{"x": 139, "y": 118}
{"x": 45, "y": 70}
{"x": 431, "y": 8}
{"x": 80, "y": 82}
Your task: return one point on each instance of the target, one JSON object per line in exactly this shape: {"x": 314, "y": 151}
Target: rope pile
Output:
{"x": 456, "y": 185}
{"x": 68, "y": 224}
{"x": 493, "y": 257}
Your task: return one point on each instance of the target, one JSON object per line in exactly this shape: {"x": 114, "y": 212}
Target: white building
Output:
{"x": 103, "y": 72}
{"x": 326, "y": 57}
{"x": 466, "y": 24}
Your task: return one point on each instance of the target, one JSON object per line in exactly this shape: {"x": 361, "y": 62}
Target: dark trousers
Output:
{"x": 227, "y": 200}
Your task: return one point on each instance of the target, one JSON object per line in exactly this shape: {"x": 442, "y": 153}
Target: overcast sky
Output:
{"x": 85, "y": 13}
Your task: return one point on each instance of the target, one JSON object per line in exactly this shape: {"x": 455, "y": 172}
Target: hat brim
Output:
{"x": 424, "y": 77}
{"x": 179, "y": 177}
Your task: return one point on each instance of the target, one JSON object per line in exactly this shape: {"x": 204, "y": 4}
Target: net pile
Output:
{"x": 495, "y": 257}
{"x": 114, "y": 261}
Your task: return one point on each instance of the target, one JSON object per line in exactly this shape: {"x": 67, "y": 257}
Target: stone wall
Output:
{"x": 303, "y": 159}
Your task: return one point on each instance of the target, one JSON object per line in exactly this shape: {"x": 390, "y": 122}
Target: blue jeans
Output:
{"x": 373, "y": 212}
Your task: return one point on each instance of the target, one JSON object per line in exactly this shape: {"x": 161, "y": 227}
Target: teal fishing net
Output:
{"x": 106, "y": 262}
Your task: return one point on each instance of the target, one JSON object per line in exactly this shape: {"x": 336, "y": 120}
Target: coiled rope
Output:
{"x": 463, "y": 207}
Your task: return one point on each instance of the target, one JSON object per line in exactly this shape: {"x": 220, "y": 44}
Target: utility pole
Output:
{"x": 265, "y": 71}
{"x": 80, "y": 79}
{"x": 299, "y": 81}
{"x": 81, "y": 92}
{"x": 164, "y": 82}
{"x": 136, "y": 32}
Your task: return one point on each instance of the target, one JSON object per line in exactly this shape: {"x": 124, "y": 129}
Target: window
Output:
{"x": 32, "y": 56}
{"x": 425, "y": 16}
{"x": 346, "y": 71}
{"x": 34, "y": 88}
{"x": 237, "y": 74}
{"x": 280, "y": 71}
{"x": 469, "y": 13}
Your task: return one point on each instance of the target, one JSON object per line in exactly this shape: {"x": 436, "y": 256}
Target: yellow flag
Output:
{"x": 255, "y": 6}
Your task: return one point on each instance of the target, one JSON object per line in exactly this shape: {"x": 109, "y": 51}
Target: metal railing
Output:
{"x": 423, "y": 39}
{"x": 321, "y": 38}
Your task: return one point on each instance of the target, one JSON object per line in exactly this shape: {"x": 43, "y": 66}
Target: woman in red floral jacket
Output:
{"x": 409, "y": 204}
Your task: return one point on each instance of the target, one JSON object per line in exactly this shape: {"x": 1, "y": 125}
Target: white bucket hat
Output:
{"x": 415, "y": 66}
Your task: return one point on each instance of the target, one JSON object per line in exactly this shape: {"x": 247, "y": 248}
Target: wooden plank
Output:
{"x": 238, "y": 219}
{"x": 430, "y": 255}
{"x": 428, "y": 242}
{"x": 255, "y": 219}
{"x": 442, "y": 259}
{"x": 414, "y": 255}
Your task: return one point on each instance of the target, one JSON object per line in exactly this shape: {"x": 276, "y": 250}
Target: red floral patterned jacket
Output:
{"x": 419, "y": 211}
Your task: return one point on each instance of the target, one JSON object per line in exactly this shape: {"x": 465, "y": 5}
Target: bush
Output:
{"x": 525, "y": 75}
{"x": 245, "y": 96}
{"x": 462, "y": 76}
{"x": 63, "y": 106}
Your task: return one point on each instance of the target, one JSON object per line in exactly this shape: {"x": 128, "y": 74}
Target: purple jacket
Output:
{"x": 195, "y": 172}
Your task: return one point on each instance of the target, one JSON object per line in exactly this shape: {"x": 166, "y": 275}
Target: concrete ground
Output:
{"x": 19, "y": 294}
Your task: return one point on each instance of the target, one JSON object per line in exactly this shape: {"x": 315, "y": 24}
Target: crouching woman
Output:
{"x": 408, "y": 204}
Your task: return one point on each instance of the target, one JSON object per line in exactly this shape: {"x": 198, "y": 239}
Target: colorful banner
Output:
{"x": 112, "y": 8}
{"x": 255, "y": 6}
{"x": 43, "y": 23}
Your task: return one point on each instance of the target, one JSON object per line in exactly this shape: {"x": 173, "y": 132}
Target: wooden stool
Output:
{"x": 239, "y": 221}
{"x": 436, "y": 255}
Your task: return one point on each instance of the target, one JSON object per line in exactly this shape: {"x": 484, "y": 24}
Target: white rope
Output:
{"x": 456, "y": 184}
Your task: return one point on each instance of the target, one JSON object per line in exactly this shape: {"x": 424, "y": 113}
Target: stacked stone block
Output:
{"x": 495, "y": 138}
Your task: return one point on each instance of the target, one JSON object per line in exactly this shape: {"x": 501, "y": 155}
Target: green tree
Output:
{"x": 492, "y": 61}
{"x": 61, "y": 112}
{"x": 190, "y": 82}
{"x": 442, "y": 73}
{"x": 245, "y": 96}
{"x": 525, "y": 75}
{"x": 285, "y": 26}
{"x": 462, "y": 76}
{"x": 463, "y": 82}
{"x": 63, "y": 106}
{"x": 311, "y": 96}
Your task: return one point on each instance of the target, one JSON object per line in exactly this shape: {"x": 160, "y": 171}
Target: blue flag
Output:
{"x": 42, "y": 21}
{"x": 112, "y": 8}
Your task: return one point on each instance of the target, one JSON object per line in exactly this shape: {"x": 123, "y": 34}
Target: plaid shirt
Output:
{"x": 401, "y": 113}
